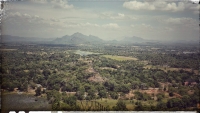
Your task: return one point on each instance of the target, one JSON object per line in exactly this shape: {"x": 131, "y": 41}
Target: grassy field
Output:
{"x": 169, "y": 68}
{"x": 129, "y": 105}
{"x": 119, "y": 58}
{"x": 162, "y": 68}
{"x": 108, "y": 103}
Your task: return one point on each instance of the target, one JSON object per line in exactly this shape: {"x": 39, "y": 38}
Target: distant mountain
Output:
{"x": 77, "y": 38}
{"x": 133, "y": 39}
{"x": 17, "y": 39}
{"x": 113, "y": 42}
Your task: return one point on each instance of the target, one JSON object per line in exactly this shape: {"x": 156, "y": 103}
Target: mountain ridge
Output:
{"x": 79, "y": 38}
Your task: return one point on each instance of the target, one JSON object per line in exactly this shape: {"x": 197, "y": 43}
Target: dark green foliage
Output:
{"x": 102, "y": 94}
{"x": 124, "y": 88}
{"x": 8, "y": 85}
{"x": 46, "y": 73}
{"x": 175, "y": 103}
{"x": 161, "y": 106}
{"x": 139, "y": 106}
{"x": 91, "y": 93}
{"x": 109, "y": 86}
{"x": 80, "y": 93}
{"x": 142, "y": 96}
{"x": 53, "y": 96}
{"x": 171, "y": 94}
{"x": 67, "y": 107}
{"x": 38, "y": 91}
{"x": 182, "y": 91}
{"x": 120, "y": 106}
{"x": 195, "y": 97}
{"x": 57, "y": 68}
{"x": 186, "y": 101}
{"x": 160, "y": 96}
{"x": 71, "y": 100}
{"x": 114, "y": 95}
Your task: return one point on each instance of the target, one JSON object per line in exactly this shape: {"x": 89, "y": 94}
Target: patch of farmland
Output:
{"x": 119, "y": 58}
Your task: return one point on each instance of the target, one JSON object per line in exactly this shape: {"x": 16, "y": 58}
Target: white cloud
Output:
{"x": 63, "y": 4}
{"x": 156, "y": 5}
{"x": 111, "y": 26}
{"x": 90, "y": 25}
{"x": 19, "y": 24}
{"x": 162, "y": 6}
{"x": 55, "y": 20}
{"x": 60, "y": 4}
{"x": 147, "y": 26}
{"x": 168, "y": 29}
{"x": 174, "y": 21}
{"x": 22, "y": 17}
{"x": 134, "y": 5}
{"x": 196, "y": 12}
{"x": 81, "y": 25}
{"x": 143, "y": 27}
{"x": 120, "y": 15}
{"x": 192, "y": 7}
{"x": 182, "y": 21}
{"x": 39, "y": 18}
{"x": 111, "y": 15}
{"x": 39, "y": 1}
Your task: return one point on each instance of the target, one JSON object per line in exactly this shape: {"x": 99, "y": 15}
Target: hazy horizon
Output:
{"x": 108, "y": 19}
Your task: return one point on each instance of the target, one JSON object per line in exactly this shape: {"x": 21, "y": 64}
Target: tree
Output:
{"x": 80, "y": 93}
{"x": 8, "y": 85}
{"x": 165, "y": 88}
{"x": 71, "y": 100}
{"x": 195, "y": 97}
{"x": 160, "y": 96}
{"x": 31, "y": 74}
{"x": 175, "y": 103}
{"x": 102, "y": 93}
{"x": 38, "y": 91}
{"x": 114, "y": 95}
{"x": 46, "y": 73}
{"x": 171, "y": 94}
{"x": 186, "y": 101}
{"x": 139, "y": 106}
{"x": 120, "y": 106}
{"x": 161, "y": 106}
{"x": 110, "y": 85}
{"x": 182, "y": 91}
{"x": 124, "y": 88}
{"x": 53, "y": 96}
{"x": 56, "y": 106}
{"x": 91, "y": 93}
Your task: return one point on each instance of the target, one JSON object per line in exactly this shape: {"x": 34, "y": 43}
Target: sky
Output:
{"x": 107, "y": 19}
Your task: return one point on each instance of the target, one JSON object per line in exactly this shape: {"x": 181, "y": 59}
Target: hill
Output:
{"x": 133, "y": 39}
{"x": 75, "y": 39}
{"x": 78, "y": 38}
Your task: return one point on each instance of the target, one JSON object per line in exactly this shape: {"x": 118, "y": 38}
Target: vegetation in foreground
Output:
{"x": 67, "y": 79}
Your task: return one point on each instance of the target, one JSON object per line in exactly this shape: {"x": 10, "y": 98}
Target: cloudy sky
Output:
{"x": 107, "y": 19}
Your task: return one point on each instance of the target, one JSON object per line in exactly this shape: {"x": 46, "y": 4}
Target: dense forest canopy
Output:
{"x": 155, "y": 78}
